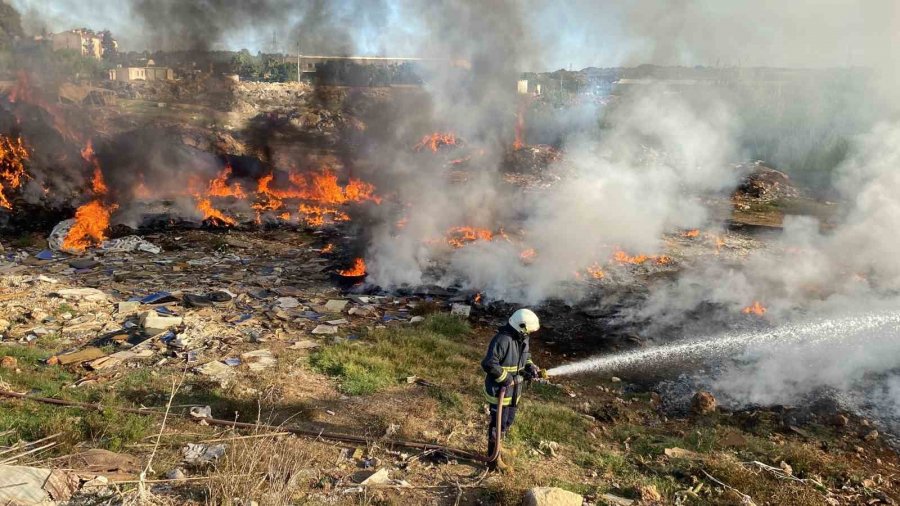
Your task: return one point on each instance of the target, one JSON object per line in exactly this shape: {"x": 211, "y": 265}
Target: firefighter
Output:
{"x": 508, "y": 364}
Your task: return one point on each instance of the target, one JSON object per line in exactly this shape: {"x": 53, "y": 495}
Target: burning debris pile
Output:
{"x": 764, "y": 184}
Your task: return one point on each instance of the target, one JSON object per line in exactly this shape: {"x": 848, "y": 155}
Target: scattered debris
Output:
{"x": 22, "y": 485}
{"x": 201, "y": 454}
{"x": 130, "y": 244}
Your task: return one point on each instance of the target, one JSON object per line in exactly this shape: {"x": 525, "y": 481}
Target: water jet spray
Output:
{"x": 853, "y": 329}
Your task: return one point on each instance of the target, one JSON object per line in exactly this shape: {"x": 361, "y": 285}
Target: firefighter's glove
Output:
{"x": 532, "y": 372}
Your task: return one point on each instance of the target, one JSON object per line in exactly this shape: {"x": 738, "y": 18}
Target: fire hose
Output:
{"x": 496, "y": 454}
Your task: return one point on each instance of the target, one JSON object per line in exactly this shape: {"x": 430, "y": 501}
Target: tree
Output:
{"x": 108, "y": 47}
{"x": 10, "y": 25}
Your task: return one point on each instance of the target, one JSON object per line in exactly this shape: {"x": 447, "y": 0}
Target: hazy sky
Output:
{"x": 579, "y": 33}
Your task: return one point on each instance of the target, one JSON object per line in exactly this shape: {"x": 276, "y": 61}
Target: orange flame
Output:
{"x": 91, "y": 222}
{"x": 460, "y": 236}
{"x": 219, "y": 186}
{"x": 91, "y": 219}
{"x": 213, "y": 215}
{"x": 527, "y": 255}
{"x": 624, "y": 258}
{"x": 596, "y": 271}
{"x": 435, "y": 141}
{"x": 12, "y": 166}
{"x": 691, "y": 233}
{"x": 328, "y": 248}
{"x": 358, "y": 269}
{"x": 478, "y": 298}
{"x": 756, "y": 308}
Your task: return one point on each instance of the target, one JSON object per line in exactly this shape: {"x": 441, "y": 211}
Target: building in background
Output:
{"x": 148, "y": 73}
{"x": 85, "y": 42}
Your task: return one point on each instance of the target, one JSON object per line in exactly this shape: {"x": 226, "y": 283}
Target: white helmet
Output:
{"x": 525, "y": 321}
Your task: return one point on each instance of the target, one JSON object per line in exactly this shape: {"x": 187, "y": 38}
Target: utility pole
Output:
{"x": 298, "y": 61}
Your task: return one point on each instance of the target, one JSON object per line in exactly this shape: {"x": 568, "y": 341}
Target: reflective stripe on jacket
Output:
{"x": 507, "y": 355}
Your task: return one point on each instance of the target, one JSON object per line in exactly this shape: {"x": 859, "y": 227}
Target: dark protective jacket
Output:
{"x": 507, "y": 356}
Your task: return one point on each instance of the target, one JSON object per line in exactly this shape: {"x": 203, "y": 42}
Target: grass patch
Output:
{"x": 447, "y": 399}
{"x": 447, "y": 325}
{"x": 377, "y": 362}
{"x": 537, "y": 421}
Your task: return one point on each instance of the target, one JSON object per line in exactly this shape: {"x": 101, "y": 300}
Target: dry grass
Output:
{"x": 272, "y": 470}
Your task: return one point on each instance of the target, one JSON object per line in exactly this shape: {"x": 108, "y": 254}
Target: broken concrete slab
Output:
{"x": 84, "y": 294}
{"x": 336, "y": 305}
{"x": 325, "y": 329}
{"x": 154, "y": 320}
{"x": 217, "y": 371}
{"x": 259, "y": 360}
{"x": 287, "y": 302}
{"x": 462, "y": 310}
{"x": 305, "y": 344}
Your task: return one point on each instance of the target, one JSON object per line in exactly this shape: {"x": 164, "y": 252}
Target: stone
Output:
{"x": 154, "y": 320}
{"x": 871, "y": 436}
{"x": 417, "y": 319}
{"x": 681, "y": 453}
{"x": 839, "y": 420}
{"x": 359, "y": 311}
{"x": 325, "y": 329}
{"x": 786, "y": 468}
{"x": 614, "y": 500}
{"x": 84, "y": 294}
{"x": 175, "y": 474}
{"x": 305, "y": 344}
{"x": 703, "y": 403}
{"x": 650, "y": 494}
{"x": 463, "y": 310}
{"x": 336, "y": 305}
{"x": 552, "y": 496}
{"x": 9, "y": 362}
